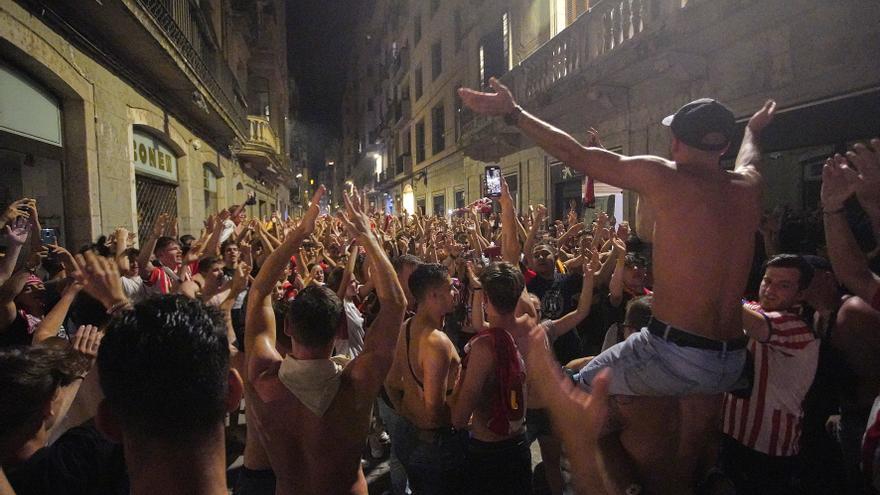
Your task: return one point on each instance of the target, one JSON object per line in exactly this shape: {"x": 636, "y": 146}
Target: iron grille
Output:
{"x": 153, "y": 199}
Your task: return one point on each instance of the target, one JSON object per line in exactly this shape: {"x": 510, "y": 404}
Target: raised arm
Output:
{"x": 849, "y": 262}
{"x": 618, "y": 253}
{"x": 529, "y": 247}
{"x": 585, "y": 302}
{"x": 150, "y": 245}
{"x": 16, "y": 236}
{"x": 577, "y": 417}
{"x": 260, "y": 321}
{"x": 53, "y": 320}
{"x": 510, "y": 248}
{"x": 371, "y": 367}
{"x": 639, "y": 174}
{"x": 748, "y": 161}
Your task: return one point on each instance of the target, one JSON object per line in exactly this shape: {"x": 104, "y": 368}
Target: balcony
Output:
{"x": 165, "y": 49}
{"x": 262, "y": 150}
{"x": 604, "y": 42}
{"x": 403, "y": 164}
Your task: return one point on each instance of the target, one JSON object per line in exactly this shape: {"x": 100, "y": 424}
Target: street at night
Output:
{"x": 411, "y": 247}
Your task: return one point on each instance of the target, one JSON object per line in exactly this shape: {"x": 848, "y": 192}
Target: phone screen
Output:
{"x": 493, "y": 181}
{"x": 47, "y": 236}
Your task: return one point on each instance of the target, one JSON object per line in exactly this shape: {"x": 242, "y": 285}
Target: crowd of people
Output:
{"x": 655, "y": 361}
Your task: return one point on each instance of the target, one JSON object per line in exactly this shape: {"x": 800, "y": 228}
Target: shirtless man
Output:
{"x": 695, "y": 343}
{"x": 313, "y": 413}
{"x": 425, "y": 369}
{"x": 498, "y": 457}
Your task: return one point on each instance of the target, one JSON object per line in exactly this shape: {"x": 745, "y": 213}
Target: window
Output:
{"x": 436, "y": 60}
{"x": 494, "y": 53}
{"x": 440, "y": 205}
{"x": 435, "y": 4}
{"x": 210, "y": 186}
{"x": 421, "y": 204}
{"x": 418, "y": 77}
{"x": 417, "y": 29}
{"x": 438, "y": 129}
{"x": 459, "y": 199}
{"x": 420, "y": 141}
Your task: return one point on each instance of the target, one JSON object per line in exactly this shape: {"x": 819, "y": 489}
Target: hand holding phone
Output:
{"x": 493, "y": 181}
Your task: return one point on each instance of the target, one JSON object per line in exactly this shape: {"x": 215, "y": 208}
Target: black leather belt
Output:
{"x": 685, "y": 339}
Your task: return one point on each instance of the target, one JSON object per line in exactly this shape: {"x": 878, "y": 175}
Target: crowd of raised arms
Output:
{"x": 705, "y": 352}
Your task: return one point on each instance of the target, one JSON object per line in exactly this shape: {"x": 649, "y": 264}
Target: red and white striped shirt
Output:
{"x": 769, "y": 421}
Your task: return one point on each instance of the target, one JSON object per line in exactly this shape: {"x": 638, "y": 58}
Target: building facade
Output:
{"x": 617, "y": 65}
{"x": 112, "y": 113}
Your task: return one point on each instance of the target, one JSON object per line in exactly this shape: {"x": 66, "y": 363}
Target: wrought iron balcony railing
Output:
{"x": 189, "y": 36}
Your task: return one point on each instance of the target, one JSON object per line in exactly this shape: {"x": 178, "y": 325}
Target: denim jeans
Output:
{"x": 647, "y": 365}
{"x": 391, "y": 419}
{"x": 432, "y": 466}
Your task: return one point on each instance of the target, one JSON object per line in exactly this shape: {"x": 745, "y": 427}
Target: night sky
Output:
{"x": 319, "y": 41}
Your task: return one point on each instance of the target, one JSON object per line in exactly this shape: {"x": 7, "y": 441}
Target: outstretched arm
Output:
{"x": 510, "y": 249}
{"x": 371, "y": 367}
{"x": 640, "y": 174}
{"x": 748, "y": 161}
{"x": 849, "y": 262}
{"x": 260, "y": 322}
{"x": 585, "y": 302}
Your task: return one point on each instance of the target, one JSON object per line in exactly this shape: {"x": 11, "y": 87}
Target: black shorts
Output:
{"x": 537, "y": 424}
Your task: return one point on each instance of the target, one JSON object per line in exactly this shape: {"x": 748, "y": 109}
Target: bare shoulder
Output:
{"x": 267, "y": 385}
{"x": 440, "y": 343}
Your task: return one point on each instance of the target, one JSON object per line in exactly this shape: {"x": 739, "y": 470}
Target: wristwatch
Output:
{"x": 512, "y": 117}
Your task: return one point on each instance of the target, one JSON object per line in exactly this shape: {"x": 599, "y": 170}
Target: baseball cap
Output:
{"x": 704, "y": 124}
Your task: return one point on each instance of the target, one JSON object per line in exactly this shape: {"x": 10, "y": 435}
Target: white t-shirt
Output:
{"x": 134, "y": 288}
{"x": 354, "y": 345}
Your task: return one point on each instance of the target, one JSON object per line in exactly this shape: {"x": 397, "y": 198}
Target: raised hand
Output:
{"x": 100, "y": 279}
{"x": 498, "y": 103}
{"x": 307, "y": 224}
{"x": 506, "y": 200}
{"x": 867, "y": 162}
{"x": 356, "y": 222}
{"x": 838, "y": 182}
{"x": 14, "y": 211}
{"x": 240, "y": 278}
{"x": 593, "y": 139}
{"x": 87, "y": 341}
{"x": 762, "y": 117}
{"x": 17, "y": 231}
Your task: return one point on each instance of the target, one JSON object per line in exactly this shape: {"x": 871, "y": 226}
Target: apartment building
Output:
{"x": 115, "y": 112}
{"x": 617, "y": 65}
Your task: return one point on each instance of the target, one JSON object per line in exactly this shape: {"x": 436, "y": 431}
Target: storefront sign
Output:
{"x": 151, "y": 157}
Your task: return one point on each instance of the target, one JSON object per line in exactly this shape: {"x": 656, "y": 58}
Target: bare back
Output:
{"x": 412, "y": 353}
{"x": 703, "y": 247}
{"x": 311, "y": 454}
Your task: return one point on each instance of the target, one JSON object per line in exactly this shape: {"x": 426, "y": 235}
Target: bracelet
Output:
{"x": 512, "y": 117}
{"x": 842, "y": 209}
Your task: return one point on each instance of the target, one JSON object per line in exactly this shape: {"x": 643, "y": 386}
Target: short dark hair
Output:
{"x": 503, "y": 284}
{"x": 795, "y": 261}
{"x": 639, "y": 311}
{"x": 29, "y": 377}
{"x": 187, "y": 239}
{"x": 164, "y": 369}
{"x": 313, "y": 316}
{"x": 226, "y": 244}
{"x": 426, "y": 277}
{"x": 207, "y": 262}
{"x": 163, "y": 242}
{"x": 405, "y": 260}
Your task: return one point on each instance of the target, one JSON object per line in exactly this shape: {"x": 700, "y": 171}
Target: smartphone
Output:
{"x": 47, "y": 236}
{"x": 493, "y": 181}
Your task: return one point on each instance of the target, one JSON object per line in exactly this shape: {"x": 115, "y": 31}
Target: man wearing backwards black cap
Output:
{"x": 694, "y": 345}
